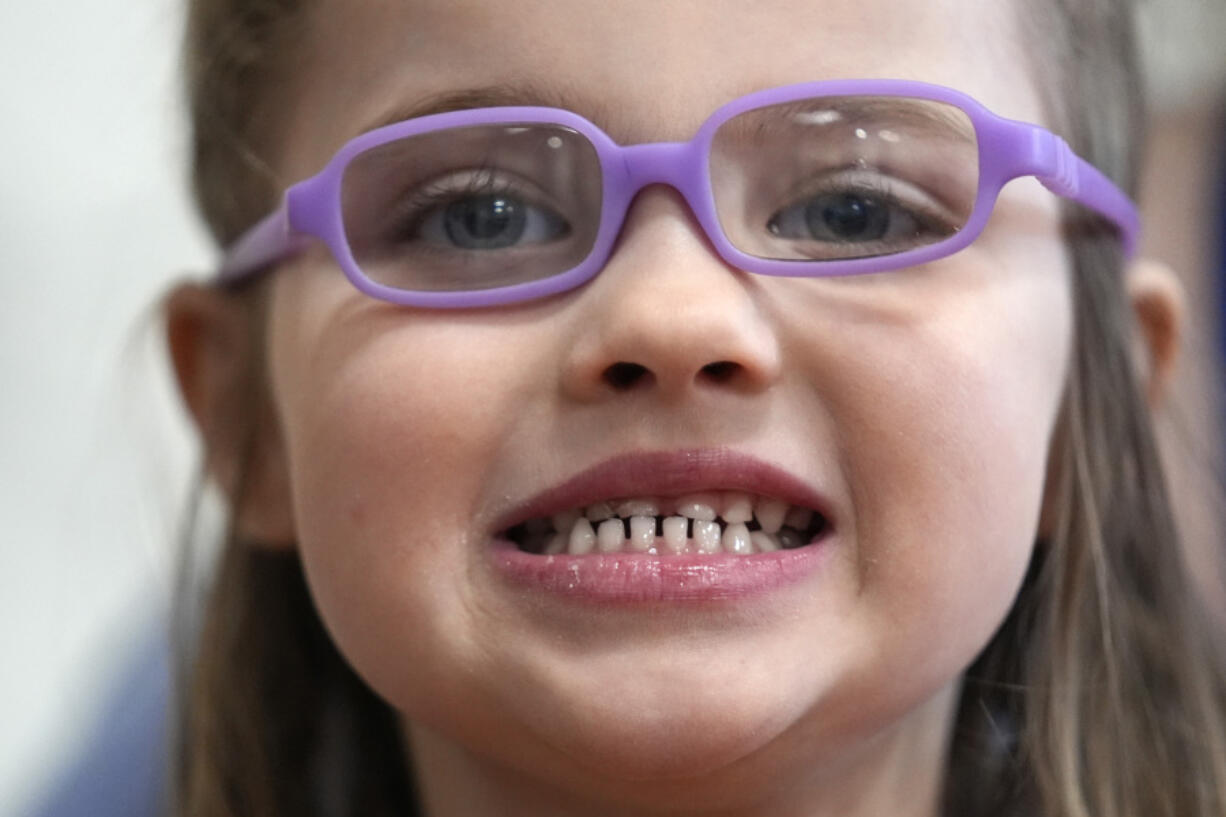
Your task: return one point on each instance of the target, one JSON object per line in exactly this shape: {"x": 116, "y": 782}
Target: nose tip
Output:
{"x": 668, "y": 317}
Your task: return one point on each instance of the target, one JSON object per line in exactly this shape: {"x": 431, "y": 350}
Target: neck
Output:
{"x": 898, "y": 771}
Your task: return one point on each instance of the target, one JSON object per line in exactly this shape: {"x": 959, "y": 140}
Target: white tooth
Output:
{"x": 557, "y": 544}
{"x": 698, "y": 506}
{"x": 642, "y": 532}
{"x": 598, "y": 512}
{"x": 737, "y": 508}
{"x": 706, "y": 536}
{"x": 736, "y": 539}
{"x": 610, "y": 536}
{"x": 582, "y": 538}
{"x": 770, "y": 514}
{"x": 565, "y": 520}
{"x": 763, "y": 542}
{"x": 798, "y": 517}
{"x": 638, "y": 507}
{"x": 674, "y": 533}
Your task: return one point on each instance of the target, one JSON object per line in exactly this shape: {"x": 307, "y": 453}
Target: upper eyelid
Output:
{"x": 885, "y": 183}
{"x": 929, "y": 210}
{"x": 423, "y": 198}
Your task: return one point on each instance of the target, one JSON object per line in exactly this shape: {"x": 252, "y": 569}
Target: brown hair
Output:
{"x": 1101, "y": 694}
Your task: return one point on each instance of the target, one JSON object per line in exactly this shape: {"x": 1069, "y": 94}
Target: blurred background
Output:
{"x": 95, "y": 458}
{"x": 95, "y": 455}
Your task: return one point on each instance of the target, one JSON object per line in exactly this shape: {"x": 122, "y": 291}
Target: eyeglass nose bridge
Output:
{"x": 679, "y": 165}
{"x": 668, "y": 163}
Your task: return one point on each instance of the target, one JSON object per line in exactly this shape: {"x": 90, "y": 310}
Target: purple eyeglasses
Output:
{"x": 497, "y": 205}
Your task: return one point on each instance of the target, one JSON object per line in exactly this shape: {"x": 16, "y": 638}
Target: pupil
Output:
{"x": 484, "y": 222}
{"x": 848, "y": 217}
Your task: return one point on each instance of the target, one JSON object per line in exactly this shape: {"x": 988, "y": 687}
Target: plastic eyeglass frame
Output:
{"x": 1008, "y": 149}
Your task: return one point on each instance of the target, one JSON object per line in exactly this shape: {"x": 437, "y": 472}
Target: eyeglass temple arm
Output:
{"x": 1068, "y": 175}
{"x": 269, "y": 241}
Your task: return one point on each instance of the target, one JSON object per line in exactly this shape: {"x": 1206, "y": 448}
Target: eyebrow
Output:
{"x": 490, "y": 96}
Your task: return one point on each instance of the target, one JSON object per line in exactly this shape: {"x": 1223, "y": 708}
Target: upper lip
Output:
{"x": 668, "y": 473}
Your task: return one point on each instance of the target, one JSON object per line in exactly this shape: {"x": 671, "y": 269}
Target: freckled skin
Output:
{"x": 920, "y": 403}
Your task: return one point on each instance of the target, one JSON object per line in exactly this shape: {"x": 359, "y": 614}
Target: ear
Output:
{"x": 214, "y": 340}
{"x": 1158, "y": 305}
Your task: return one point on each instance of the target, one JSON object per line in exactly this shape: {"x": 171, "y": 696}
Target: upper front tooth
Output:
{"x": 611, "y": 535}
{"x": 770, "y": 514}
{"x": 637, "y": 507}
{"x": 698, "y": 506}
{"x": 642, "y": 532}
{"x": 737, "y": 508}
{"x": 599, "y": 512}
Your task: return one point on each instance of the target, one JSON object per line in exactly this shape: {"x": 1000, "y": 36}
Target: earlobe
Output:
{"x": 214, "y": 347}
{"x": 1157, "y": 300}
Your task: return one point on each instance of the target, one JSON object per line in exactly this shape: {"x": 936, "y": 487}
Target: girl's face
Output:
{"x": 914, "y": 409}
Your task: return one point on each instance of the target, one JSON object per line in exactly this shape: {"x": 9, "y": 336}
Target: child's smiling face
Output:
{"x": 915, "y": 408}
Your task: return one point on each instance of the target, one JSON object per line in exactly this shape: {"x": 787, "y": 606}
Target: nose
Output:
{"x": 668, "y": 316}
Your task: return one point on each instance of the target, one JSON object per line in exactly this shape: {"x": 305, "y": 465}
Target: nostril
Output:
{"x": 622, "y": 376}
{"x": 721, "y": 371}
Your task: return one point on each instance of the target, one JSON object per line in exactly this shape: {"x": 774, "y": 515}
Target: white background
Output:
{"x": 95, "y": 457}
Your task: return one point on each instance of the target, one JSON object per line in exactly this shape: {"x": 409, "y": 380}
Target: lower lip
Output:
{"x": 638, "y": 578}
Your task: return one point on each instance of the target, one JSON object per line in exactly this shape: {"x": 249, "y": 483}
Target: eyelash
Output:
{"x": 930, "y": 218}
{"x": 411, "y": 210}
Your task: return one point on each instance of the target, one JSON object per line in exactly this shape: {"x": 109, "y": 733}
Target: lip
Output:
{"x": 669, "y": 474}
{"x": 624, "y": 577}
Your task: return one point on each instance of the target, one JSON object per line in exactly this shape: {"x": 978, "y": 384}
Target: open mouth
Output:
{"x": 704, "y": 524}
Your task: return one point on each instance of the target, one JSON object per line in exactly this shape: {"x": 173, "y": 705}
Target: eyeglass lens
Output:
{"x": 488, "y": 206}
{"x": 844, "y": 177}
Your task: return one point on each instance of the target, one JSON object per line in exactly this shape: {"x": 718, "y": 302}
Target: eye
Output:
{"x": 490, "y": 221}
{"x": 873, "y": 218}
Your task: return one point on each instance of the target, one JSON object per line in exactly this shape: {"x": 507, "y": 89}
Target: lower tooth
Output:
{"x": 706, "y": 536}
{"x": 736, "y": 539}
{"x": 789, "y": 538}
{"x": 673, "y": 528}
{"x": 642, "y": 532}
{"x": 582, "y": 538}
{"x": 764, "y": 542}
{"x": 610, "y": 536}
{"x": 557, "y": 544}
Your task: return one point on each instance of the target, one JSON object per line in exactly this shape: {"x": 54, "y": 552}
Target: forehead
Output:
{"x": 644, "y": 70}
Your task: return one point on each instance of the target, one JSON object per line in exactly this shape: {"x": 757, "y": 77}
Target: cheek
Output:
{"x": 389, "y": 436}
{"x": 945, "y": 453}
